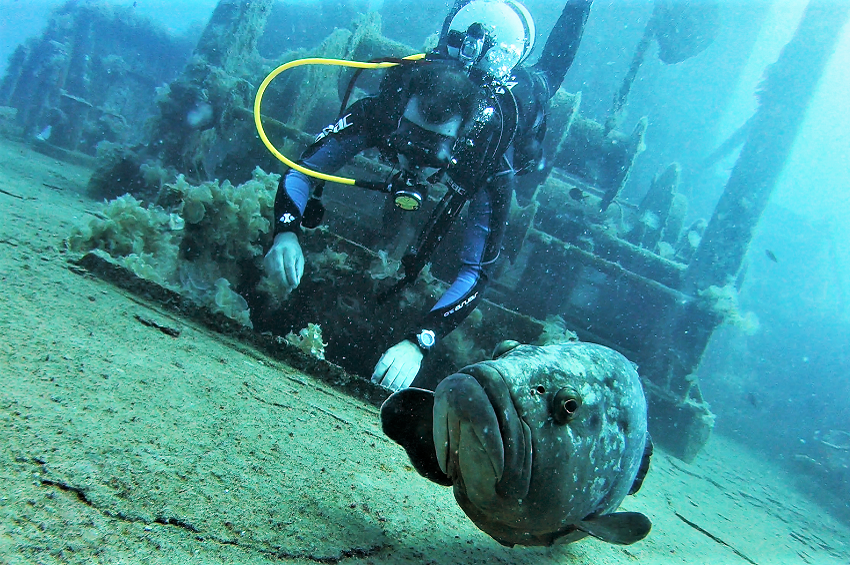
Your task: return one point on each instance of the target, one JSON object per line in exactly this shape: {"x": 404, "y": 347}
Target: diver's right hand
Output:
{"x": 285, "y": 260}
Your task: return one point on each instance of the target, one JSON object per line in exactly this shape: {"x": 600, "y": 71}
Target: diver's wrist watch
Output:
{"x": 426, "y": 339}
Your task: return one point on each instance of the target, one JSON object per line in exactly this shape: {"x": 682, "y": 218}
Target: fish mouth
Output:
{"x": 480, "y": 439}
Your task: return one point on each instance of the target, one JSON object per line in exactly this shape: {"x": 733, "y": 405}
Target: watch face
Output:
{"x": 426, "y": 338}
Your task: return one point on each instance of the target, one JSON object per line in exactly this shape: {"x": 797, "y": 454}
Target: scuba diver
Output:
{"x": 468, "y": 115}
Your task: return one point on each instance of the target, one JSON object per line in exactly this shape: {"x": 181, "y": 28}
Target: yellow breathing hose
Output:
{"x": 311, "y": 61}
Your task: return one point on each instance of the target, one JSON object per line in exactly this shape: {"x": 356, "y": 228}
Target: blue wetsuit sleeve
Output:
{"x": 472, "y": 253}
{"x": 465, "y": 281}
{"x": 295, "y": 187}
{"x": 328, "y": 158}
{"x": 466, "y": 291}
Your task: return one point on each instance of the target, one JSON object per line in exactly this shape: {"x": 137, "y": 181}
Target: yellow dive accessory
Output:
{"x": 408, "y": 202}
{"x": 311, "y": 61}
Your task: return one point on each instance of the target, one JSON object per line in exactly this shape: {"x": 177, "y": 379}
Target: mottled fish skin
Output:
{"x": 553, "y": 475}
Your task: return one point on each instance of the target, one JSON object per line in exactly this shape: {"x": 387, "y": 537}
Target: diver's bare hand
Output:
{"x": 285, "y": 260}
{"x": 398, "y": 366}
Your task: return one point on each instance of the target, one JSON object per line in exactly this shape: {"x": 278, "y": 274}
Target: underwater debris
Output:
{"x": 151, "y": 323}
{"x": 309, "y": 340}
{"x": 349, "y": 305}
{"x": 666, "y": 250}
{"x": 12, "y": 194}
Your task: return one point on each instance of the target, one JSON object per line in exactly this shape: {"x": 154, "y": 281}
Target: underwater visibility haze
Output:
{"x": 653, "y": 367}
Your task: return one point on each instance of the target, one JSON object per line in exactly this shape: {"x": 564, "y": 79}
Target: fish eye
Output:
{"x": 565, "y": 404}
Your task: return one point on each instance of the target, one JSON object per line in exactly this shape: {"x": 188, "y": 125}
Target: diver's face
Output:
{"x": 424, "y": 146}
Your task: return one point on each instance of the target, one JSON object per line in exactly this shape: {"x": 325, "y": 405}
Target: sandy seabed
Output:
{"x": 122, "y": 444}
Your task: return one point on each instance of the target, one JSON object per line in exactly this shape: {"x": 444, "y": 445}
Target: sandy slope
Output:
{"x": 121, "y": 444}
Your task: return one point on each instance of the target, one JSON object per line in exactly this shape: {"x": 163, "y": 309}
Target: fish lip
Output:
{"x": 515, "y": 481}
{"x": 458, "y": 400}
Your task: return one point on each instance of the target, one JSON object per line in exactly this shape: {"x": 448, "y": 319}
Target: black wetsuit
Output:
{"x": 502, "y": 139}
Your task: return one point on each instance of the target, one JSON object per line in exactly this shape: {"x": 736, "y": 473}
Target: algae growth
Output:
{"x": 202, "y": 241}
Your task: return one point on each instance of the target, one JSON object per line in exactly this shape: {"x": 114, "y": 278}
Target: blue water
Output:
{"x": 782, "y": 387}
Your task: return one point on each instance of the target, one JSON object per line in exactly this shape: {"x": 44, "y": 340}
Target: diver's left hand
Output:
{"x": 398, "y": 366}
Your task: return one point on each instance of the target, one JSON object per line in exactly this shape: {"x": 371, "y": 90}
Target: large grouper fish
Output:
{"x": 541, "y": 443}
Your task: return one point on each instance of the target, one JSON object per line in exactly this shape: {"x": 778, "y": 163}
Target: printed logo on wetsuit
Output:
{"x": 460, "y": 306}
{"x": 337, "y": 127}
{"x": 287, "y": 218}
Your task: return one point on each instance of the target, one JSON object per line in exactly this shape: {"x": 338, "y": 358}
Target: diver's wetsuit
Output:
{"x": 503, "y": 138}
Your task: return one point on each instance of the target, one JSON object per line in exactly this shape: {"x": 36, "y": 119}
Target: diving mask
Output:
{"x": 424, "y": 150}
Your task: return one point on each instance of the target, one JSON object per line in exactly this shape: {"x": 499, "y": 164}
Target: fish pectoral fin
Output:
{"x": 407, "y": 419}
{"x": 621, "y": 528}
